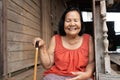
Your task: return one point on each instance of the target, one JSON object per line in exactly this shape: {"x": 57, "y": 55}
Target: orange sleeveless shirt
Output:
{"x": 66, "y": 60}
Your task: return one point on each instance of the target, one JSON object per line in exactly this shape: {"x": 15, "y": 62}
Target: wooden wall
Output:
{"x": 1, "y": 55}
{"x": 23, "y": 25}
{"x": 23, "y": 21}
{"x": 51, "y": 13}
{"x": 56, "y": 12}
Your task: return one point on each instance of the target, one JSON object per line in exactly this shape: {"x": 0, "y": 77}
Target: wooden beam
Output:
{"x": 115, "y": 58}
{"x": 98, "y": 39}
{"x": 109, "y": 77}
{"x": 1, "y": 54}
{"x": 4, "y": 37}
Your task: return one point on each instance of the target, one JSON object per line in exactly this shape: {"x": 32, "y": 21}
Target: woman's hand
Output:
{"x": 79, "y": 76}
{"x": 41, "y": 42}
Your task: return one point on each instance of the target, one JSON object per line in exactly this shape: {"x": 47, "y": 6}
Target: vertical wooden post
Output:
{"x": 46, "y": 24}
{"x": 1, "y": 54}
{"x": 105, "y": 35}
{"x": 98, "y": 38}
{"x": 4, "y": 38}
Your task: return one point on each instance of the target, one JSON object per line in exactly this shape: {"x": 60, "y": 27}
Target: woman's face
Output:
{"x": 72, "y": 24}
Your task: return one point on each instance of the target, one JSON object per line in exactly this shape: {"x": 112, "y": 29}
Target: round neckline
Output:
{"x": 72, "y": 49}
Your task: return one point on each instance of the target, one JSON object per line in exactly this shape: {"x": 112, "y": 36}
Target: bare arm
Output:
{"x": 46, "y": 55}
{"x": 90, "y": 66}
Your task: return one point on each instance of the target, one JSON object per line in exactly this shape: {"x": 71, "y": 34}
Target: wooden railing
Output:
{"x": 105, "y": 36}
{"x": 107, "y": 53}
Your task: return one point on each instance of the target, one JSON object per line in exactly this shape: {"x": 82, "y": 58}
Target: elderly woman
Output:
{"x": 70, "y": 55}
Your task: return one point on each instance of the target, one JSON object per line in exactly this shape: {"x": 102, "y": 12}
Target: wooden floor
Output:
{"x": 28, "y": 75}
{"x": 115, "y": 57}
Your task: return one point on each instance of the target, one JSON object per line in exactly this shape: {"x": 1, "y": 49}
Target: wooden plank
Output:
{"x": 14, "y": 66}
{"x": 1, "y": 36}
{"x": 98, "y": 39}
{"x": 28, "y": 75}
{"x": 19, "y": 37}
{"x": 22, "y": 30}
{"x": 115, "y": 58}
{"x": 34, "y": 6}
{"x": 57, "y": 8}
{"x": 17, "y": 9}
{"x": 26, "y": 7}
{"x": 19, "y": 46}
{"x": 22, "y": 20}
{"x": 4, "y": 36}
{"x": 23, "y": 75}
{"x": 37, "y": 2}
{"x": 20, "y": 55}
{"x": 46, "y": 21}
{"x": 109, "y": 77}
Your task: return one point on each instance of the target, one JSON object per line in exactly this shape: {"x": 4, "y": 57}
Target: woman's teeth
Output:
{"x": 71, "y": 29}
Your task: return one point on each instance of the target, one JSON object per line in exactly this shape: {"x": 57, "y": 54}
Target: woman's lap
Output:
{"x": 55, "y": 77}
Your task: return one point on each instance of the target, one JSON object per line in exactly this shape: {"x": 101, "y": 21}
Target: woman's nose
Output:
{"x": 72, "y": 23}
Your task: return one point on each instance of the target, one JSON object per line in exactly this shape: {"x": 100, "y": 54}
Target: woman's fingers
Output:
{"x": 37, "y": 40}
{"x": 76, "y": 73}
{"x": 67, "y": 79}
{"x": 75, "y": 78}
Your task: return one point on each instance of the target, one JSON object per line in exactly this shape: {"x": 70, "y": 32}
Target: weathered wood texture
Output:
{"x": 27, "y": 19}
{"x": 115, "y": 58}
{"x": 23, "y": 25}
{"x": 102, "y": 65}
{"x": 109, "y": 77}
{"x": 98, "y": 38}
{"x": 46, "y": 23}
{"x": 1, "y": 55}
{"x": 105, "y": 36}
{"x": 51, "y": 13}
{"x": 56, "y": 12}
{"x": 28, "y": 75}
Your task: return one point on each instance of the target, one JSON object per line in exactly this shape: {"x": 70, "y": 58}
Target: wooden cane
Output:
{"x": 36, "y": 60}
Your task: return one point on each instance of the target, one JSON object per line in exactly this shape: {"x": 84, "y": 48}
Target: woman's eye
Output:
{"x": 67, "y": 20}
{"x": 76, "y": 20}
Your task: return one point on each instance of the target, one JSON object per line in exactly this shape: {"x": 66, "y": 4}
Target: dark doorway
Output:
{"x": 111, "y": 36}
{"x": 89, "y": 28}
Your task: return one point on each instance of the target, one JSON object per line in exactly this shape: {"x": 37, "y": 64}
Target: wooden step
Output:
{"x": 109, "y": 77}
{"x": 115, "y": 57}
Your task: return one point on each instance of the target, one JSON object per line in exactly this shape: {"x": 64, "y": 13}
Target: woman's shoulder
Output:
{"x": 86, "y": 35}
{"x": 56, "y": 36}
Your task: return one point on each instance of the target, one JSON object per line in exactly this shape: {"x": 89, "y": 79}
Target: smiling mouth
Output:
{"x": 72, "y": 28}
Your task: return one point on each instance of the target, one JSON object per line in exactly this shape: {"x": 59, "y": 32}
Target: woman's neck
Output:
{"x": 72, "y": 39}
